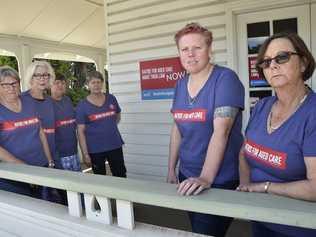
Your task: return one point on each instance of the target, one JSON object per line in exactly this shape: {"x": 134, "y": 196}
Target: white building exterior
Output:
{"x": 140, "y": 30}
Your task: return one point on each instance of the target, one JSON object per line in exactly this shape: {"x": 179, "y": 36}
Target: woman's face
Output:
{"x": 40, "y": 79}
{"x": 9, "y": 88}
{"x": 194, "y": 52}
{"x": 95, "y": 86}
{"x": 283, "y": 74}
{"x": 58, "y": 88}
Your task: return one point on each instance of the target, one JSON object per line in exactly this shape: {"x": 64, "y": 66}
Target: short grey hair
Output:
{"x": 7, "y": 71}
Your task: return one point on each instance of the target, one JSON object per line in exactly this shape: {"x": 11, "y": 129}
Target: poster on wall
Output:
{"x": 254, "y": 44}
{"x": 158, "y": 77}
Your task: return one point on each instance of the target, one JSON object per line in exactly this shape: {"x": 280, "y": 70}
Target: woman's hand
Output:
{"x": 87, "y": 160}
{"x": 253, "y": 187}
{"x": 193, "y": 185}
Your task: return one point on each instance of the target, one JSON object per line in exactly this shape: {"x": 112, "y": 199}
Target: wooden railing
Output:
{"x": 250, "y": 206}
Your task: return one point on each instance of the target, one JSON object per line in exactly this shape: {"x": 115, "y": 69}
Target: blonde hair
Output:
{"x": 31, "y": 70}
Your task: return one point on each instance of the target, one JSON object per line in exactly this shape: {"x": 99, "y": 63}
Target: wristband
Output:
{"x": 51, "y": 164}
{"x": 266, "y": 186}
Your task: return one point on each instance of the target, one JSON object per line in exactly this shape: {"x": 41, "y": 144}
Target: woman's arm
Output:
{"x": 46, "y": 148}
{"x": 222, "y": 123}
{"x": 244, "y": 170}
{"x": 118, "y": 117}
{"x": 175, "y": 139}
{"x": 83, "y": 144}
{"x": 303, "y": 189}
{"x": 8, "y": 157}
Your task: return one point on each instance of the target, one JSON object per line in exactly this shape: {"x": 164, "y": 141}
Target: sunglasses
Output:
{"x": 282, "y": 57}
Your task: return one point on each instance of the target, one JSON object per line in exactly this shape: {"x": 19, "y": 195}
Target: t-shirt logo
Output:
{"x": 192, "y": 115}
{"x": 12, "y": 125}
{"x": 66, "y": 122}
{"x": 265, "y": 155}
{"x": 94, "y": 117}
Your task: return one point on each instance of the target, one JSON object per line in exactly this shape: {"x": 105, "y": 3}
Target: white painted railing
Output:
{"x": 250, "y": 206}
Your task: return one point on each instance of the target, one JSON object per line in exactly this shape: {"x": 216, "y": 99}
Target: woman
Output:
{"x": 278, "y": 156}
{"x": 206, "y": 135}
{"x": 22, "y": 140}
{"x": 99, "y": 138}
{"x": 40, "y": 76}
{"x": 66, "y": 129}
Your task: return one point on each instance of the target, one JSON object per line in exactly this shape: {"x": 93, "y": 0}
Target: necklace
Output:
{"x": 192, "y": 100}
{"x": 272, "y": 128}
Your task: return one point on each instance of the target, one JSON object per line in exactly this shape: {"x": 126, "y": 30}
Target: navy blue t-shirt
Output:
{"x": 19, "y": 134}
{"x": 66, "y": 136}
{"x": 279, "y": 156}
{"x": 46, "y": 114}
{"x": 194, "y": 118}
{"x": 100, "y": 122}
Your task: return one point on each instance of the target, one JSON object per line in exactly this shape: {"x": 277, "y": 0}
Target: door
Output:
{"x": 252, "y": 29}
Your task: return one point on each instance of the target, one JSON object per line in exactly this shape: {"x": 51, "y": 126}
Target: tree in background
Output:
{"x": 9, "y": 61}
{"x": 75, "y": 72}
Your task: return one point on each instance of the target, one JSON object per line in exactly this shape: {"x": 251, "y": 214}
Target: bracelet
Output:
{"x": 51, "y": 164}
{"x": 266, "y": 186}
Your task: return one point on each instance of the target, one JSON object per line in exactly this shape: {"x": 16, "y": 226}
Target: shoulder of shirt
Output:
{"x": 183, "y": 80}
{"x": 25, "y": 93}
{"x": 262, "y": 102}
{"x": 226, "y": 71}
{"x": 82, "y": 102}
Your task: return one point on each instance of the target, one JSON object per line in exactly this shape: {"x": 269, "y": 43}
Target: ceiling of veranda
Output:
{"x": 79, "y": 22}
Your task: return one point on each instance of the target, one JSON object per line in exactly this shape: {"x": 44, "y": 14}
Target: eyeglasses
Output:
{"x": 39, "y": 76}
{"x": 9, "y": 85}
{"x": 282, "y": 57}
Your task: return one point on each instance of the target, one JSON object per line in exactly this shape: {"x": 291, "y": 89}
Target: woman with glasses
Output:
{"x": 40, "y": 76}
{"x": 279, "y": 153}
{"x": 22, "y": 140}
{"x": 206, "y": 134}
{"x": 97, "y": 117}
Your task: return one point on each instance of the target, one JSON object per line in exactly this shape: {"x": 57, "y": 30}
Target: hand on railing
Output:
{"x": 254, "y": 187}
{"x": 193, "y": 185}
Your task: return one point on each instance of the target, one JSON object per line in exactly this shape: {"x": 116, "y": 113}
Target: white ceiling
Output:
{"x": 79, "y": 22}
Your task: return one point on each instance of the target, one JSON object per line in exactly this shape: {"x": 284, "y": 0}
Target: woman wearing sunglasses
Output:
{"x": 279, "y": 153}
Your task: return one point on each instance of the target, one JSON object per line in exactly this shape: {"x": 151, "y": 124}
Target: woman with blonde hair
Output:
{"x": 40, "y": 75}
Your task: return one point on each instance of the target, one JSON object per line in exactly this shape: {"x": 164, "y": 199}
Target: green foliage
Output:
{"x": 75, "y": 72}
{"x": 9, "y": 61}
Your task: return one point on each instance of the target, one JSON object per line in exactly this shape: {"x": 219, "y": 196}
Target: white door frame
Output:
{"x": 313, "y": 38}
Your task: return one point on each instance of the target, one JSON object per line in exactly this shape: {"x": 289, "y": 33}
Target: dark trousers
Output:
{"x": 115, "y": 159}
{"x": 259, "y": 230}
{"x": 207, "y": 224}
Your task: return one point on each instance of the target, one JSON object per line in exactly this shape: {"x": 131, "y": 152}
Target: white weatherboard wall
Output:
{"x": 140, "y": 30}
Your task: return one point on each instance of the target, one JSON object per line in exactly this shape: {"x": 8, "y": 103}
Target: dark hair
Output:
{"x": 60, "y": 77}
{"x": 299, "y": 46}
{"x": 7, "y": 71}
{"x": 94, "y": 75}
{"x": 194, "y": 28}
